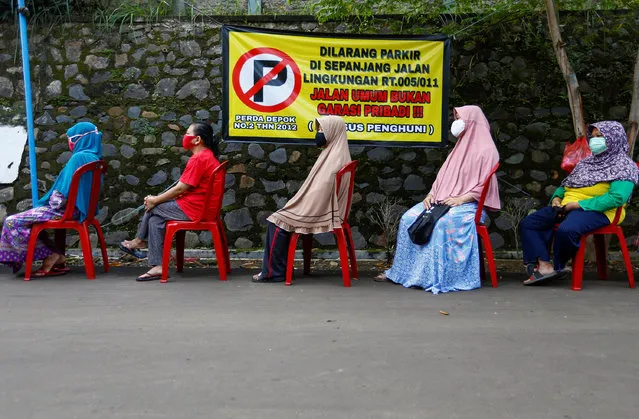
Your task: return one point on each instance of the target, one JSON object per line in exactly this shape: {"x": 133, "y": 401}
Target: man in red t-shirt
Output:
{"x": 185, "y": 201}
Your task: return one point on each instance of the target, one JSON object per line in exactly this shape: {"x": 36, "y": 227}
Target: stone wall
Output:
{"x": 144, "y": 85}
{"x": 240, "y": 7}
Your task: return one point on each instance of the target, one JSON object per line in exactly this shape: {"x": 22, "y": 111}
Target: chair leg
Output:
{"x": 292, "y": 245}
{"x": 482, "y": 268}
{"x": 343, "y": 256}
{"x": 351, "y": 250}
{"x": 166, "y": 253}
{"x": 578, "y": 265}
{"x": 307, "y": 249}
{"x": 602, "y": 256}
{"x": 102, "y": 243}
{"x": 180, "y": 237}
{"x": 220, "y": 255}
{"x": 33, "y": 238}
{"x": 225, "y": 244}
{"x": 490, "y": 257}
{"x": 85, "y": 243}
{"x": 626, "y": 257}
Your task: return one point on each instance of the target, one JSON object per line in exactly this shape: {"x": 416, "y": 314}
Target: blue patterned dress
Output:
{"x": 449, "y": 262}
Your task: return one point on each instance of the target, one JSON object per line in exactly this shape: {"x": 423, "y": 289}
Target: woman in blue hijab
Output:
{"x": 85, "y": 143}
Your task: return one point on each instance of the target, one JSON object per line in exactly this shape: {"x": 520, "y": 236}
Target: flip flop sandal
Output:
{"x": 61, "y": 268}
{"x": 148, "y": 277}
{"x": 538, "y": 277}
{"x": 564, "y": 273}
{"x": 136, "y": 253}
{"x": 41, "y": 273}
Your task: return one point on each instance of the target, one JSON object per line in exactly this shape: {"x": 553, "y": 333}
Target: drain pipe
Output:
{"x": 26, "y": 72}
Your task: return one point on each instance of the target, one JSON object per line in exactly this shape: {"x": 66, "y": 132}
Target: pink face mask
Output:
{"x": 75, "y": 138}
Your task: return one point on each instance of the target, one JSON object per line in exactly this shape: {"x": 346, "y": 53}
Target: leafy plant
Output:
{"x": 453, "y": 15}
{"x": 108, "y": 13}
{"x": 51, "y": 10}
{"x": 386, "y": 216}
{"x": 128, "y": 12}
{"x": 517, "y": 209}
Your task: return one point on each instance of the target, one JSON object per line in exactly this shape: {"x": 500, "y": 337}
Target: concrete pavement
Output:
{"x": 201, "y": 348}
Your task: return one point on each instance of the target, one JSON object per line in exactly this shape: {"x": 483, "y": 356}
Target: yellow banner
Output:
{"x": 389, "y": 90}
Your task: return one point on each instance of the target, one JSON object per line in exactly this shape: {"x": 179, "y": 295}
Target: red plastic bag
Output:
{"x": 574, "y": 153}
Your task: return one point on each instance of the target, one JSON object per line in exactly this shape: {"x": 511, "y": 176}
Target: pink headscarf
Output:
{"x": 471, "y": 161}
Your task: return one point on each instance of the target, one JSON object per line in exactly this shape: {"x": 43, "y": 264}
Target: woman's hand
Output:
{"x": 429, "y": 201}
{"x": 150, "y": 202}
{"x": 571, "y": 206}
{"x": 453, "y": 202}
{"x": 556, "y": 202}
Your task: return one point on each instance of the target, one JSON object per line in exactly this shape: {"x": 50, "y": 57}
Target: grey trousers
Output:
{"x": 152, "y": 228}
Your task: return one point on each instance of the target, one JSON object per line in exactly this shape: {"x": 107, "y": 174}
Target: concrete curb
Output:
{"x": 372, "y": 255}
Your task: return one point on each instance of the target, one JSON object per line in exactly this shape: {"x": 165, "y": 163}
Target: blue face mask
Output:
{"x": 597, "y": 145}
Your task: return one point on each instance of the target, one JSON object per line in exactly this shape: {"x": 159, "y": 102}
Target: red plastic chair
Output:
{"x": 210, "y": 220}
{"x": 341, "y": 235}
{"x": 602, "y": 253}
{"x": 98, "y": 169}
{"x": 482, "y": 235}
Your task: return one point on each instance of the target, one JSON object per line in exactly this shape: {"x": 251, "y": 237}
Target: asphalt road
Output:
{"x": 201, "y": 348}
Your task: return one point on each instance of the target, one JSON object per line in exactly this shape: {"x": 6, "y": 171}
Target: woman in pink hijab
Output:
{"x": 450, "y": 260}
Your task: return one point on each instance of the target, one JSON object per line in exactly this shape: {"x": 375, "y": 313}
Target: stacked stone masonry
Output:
{"x": 143, "y": 85}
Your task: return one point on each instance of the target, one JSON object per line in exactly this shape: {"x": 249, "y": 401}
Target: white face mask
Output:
{"x": 458, "y": 126}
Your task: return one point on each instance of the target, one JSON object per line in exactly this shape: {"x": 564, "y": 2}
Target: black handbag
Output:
{"x": 420, "y": 231}
{"x": 560, "y": 213}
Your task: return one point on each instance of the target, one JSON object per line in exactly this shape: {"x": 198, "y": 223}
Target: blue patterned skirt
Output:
{"x": 449, "y": 262}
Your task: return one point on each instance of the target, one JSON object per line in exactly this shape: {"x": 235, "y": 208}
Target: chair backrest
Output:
{"x": 615, "y": 221}
{"x": 484, "y": 192}
{"x": 349, "y": 168}
{"x": 214, "y": 195}
{"x": 96, "y": 170}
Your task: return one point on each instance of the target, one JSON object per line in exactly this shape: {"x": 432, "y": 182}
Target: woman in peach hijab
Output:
{"x": 316, "y": 207}
{"x": 450, "y": 260}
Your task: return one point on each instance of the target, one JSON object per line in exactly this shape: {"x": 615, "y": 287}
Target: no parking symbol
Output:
{"x": 266, "y": 79}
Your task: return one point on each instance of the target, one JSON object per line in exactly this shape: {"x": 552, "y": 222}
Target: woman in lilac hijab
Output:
{"x": 586, "y": 200}
{"x": 450, "y": 260}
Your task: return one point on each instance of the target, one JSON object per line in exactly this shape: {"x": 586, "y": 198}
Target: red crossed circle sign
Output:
{"x": 266, "y": 79}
